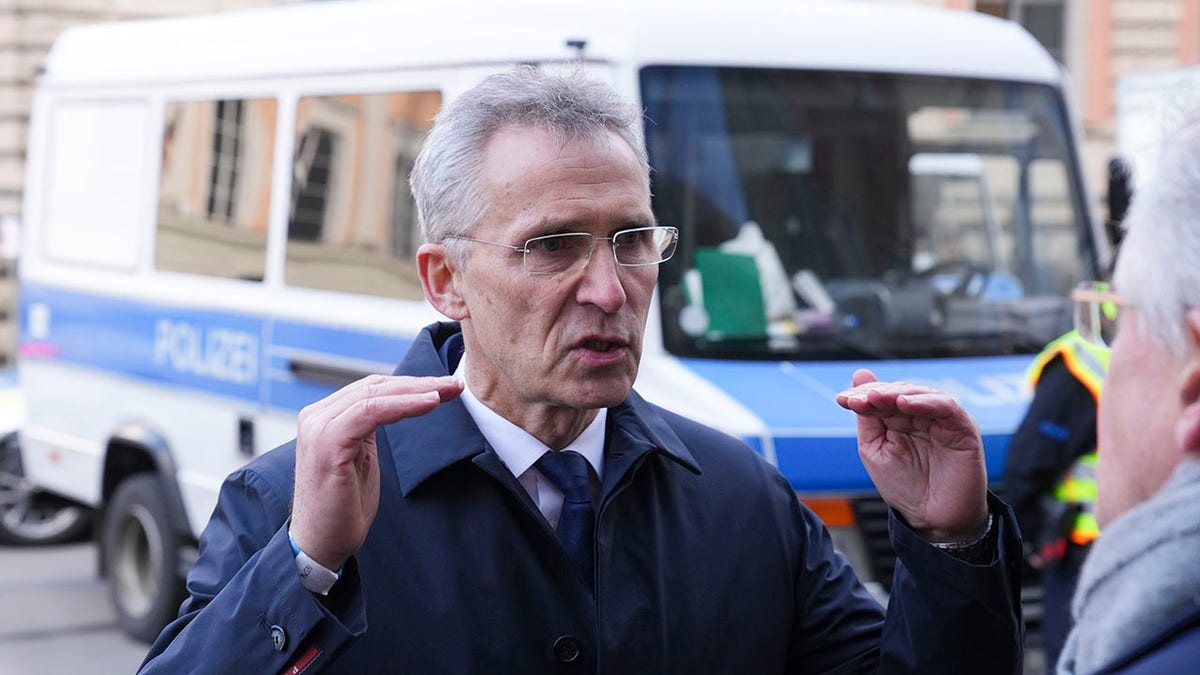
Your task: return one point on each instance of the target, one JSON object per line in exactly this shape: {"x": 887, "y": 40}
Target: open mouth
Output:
{"x": 599, "y": 345}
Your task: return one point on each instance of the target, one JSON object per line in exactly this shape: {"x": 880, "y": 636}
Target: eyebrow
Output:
{"x": 641, "y": 222}
{"x": 547, "y": 226}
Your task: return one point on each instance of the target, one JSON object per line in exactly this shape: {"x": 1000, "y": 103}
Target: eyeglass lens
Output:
{"x": 558, "y": 253}
{"x": 1095, "y": 317}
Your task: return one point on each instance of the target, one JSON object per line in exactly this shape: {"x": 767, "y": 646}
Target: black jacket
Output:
{"x": 1059, "y": 427}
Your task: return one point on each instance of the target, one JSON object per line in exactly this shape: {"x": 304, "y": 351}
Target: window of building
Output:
{"x": 310, "y": 183}
{"x": 404, "y": 210}
{"x": 1044, "y": 19}
{"x": 215, "y": 188}
{"x": 997, "y": 8}
{"x": 227, "y": 142}
{"x": 353, "y": 226}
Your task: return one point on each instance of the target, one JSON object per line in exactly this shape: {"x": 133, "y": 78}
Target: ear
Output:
{"x": 1187, "y": 427}
{"x": 440, "y": 278}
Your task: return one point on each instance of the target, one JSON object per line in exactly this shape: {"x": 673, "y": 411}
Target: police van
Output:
{"x": 219, "y": 231}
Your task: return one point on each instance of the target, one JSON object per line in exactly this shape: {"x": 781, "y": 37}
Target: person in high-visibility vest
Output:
{"x": 1050, "y": 474}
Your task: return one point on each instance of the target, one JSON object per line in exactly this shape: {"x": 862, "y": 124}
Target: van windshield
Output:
{"x": 837, "y": 215}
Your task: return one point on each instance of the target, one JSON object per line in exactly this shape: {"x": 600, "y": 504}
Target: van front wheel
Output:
{"x": 28, "y": 516}
{"x": 142, "y": 558}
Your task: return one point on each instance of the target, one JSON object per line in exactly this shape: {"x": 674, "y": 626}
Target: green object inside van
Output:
{"x": 732, "y": 295}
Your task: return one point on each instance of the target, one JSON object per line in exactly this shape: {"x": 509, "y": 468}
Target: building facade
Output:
{"x": 27, "y": 30}
{"x": 1099, "y": 42}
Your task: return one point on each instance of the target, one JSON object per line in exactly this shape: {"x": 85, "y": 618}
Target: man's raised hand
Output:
{"x": 924, "y": 454}
{"x": 337, "y": 464}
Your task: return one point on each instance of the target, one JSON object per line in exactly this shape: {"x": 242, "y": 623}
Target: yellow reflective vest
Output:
{"x": 1088, "y": 364}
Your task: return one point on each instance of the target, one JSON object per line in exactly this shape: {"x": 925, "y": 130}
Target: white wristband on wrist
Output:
{"x": 313, "y": 576}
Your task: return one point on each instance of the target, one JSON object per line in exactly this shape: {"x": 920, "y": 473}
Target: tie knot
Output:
{"x": 568, "y": 470}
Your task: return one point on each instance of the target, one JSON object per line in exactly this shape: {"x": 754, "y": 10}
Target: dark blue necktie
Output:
{"x": 568, "y": 470}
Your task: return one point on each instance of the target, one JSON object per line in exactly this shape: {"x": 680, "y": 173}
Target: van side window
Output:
{"x": 216, "y": 187}
{"x": 352, "y": 226}
{"x": 91, "y": 206}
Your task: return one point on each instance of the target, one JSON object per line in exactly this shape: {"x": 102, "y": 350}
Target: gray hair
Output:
{"x": 446, "y": 182}
{"x": 1158, "y": 268}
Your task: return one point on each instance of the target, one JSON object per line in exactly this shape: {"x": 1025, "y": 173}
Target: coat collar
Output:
{"x": 448, "y": 434}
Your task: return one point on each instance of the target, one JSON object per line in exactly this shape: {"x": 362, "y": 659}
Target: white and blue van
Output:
{"x": 219, "y": 231}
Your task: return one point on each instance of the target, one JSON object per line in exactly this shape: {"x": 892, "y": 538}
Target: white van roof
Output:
{"x": 381, "y": 35}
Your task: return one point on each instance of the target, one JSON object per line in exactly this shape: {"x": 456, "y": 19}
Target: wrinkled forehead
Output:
{"x": 531, "y": 175}
{"x": 595, "y": 141}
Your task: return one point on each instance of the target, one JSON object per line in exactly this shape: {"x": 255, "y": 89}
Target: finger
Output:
{"x": 862, "y": 376}
{"x": 381, "y": 385}
{"x": 933, "y": 405}
{"x": 881, "y": 391}
{"x": 855, "y": 401}
{"x": 869, "y": 400}
{"x": 941, "y": 410}
{"x": 449, "y": 389}
{"x": 362, "y": 418}
{"x": 357, "y": 410}
{"x": 394, "y": 385}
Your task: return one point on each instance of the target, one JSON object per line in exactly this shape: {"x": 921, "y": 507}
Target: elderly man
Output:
{"x": 1137, "y": 604}
{"x": 539, "y": 516}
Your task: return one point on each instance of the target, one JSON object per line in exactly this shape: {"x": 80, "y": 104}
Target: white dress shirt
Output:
{"x": 519, "y": 450}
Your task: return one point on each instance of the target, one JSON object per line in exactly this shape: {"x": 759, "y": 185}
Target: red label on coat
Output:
{"x": 303, "y": 661}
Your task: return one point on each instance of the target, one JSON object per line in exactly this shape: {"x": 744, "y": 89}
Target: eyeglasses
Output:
{"x": 1096, "y": 310}
{"x": 570, "y": 251}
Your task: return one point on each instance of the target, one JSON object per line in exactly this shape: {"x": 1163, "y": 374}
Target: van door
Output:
{"x": 349, "y": 298}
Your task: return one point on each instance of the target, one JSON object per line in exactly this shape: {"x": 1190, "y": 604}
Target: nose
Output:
{"x": 600, "y": 283}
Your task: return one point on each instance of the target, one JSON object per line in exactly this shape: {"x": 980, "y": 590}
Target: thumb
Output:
{"x": 862, "y": 376}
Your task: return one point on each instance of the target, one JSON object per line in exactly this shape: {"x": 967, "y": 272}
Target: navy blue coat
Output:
{"x": 705, "y": 563}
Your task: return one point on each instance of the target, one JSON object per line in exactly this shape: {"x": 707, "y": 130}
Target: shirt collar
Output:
{"x": 448, "y": 434}
{"x": 517, "y": 448}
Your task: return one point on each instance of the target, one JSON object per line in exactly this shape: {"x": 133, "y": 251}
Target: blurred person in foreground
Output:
{"x": 505, "y": 503}
{"x": 1137, "y": 605}
{"x": 1050, "y": 470}
{"x": 1049, "y": 474}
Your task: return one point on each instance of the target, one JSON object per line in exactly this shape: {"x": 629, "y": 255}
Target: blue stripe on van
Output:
{"x": 293, "y": 342}
{"x": 831, "y": 464}
{"x": 209, "y": 351}
{"x": 814, "y": 437}
{"x": 221, "y": 353}
{"x": 791, "y": 395}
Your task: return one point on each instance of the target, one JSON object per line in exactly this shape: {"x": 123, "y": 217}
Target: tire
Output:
{"x": 30, "y": 517}
{"x": 141, "y": 551}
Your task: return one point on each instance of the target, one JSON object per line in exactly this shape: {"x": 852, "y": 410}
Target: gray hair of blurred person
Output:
{"x": 446, "y": 183}
{"x": 1158, "y": 269}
